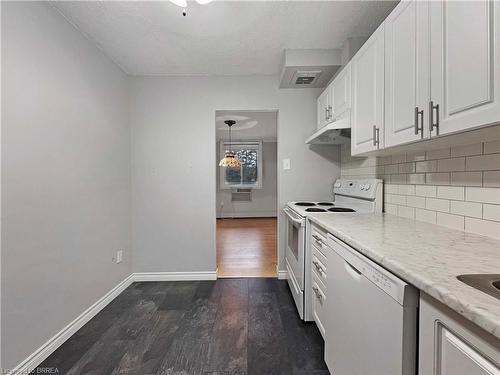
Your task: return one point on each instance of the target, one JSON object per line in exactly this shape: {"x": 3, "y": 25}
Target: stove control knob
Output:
{"x": 367, "y": 187}
{"x": 362, "y": 187}
{"x": 337, "y": 184}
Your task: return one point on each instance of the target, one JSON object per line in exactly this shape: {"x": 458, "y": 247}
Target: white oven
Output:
{"x": 294, "y": 256}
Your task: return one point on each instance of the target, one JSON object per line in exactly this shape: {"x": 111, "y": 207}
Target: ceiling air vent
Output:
{"x": 305, "y": 78}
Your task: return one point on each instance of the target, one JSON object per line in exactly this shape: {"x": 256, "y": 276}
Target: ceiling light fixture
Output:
{"x": 230, "y": 160}
{"x": 183, "y": 4}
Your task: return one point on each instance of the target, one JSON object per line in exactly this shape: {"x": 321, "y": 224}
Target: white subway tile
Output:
{"x": 442, "y": 205}
{"x": 414, "y": 201}
{"x": 437, "y": 178}
{"x": 398, "y": 199}
{"x": 426, "y": 166}
{"x": 491, "y": 179}
{"x": 483, "y": 195}
{"x": 391, "y": 189}
{"x": 398, "y": 179}
{"x": 491, "y": 212}
{"x": 406, "y": 168}
{"x": 466, "y": 208}
{"x": 438, "y": 154}
{"x": 415, "y": 178}
{"x": 450, "y": 165}
{"x": 484, "y": 227}
{"x": 408, "y": 212}
{"x": 451, "y": 192}
{"x": 426, "y": 190}
{"x": 451, "y": 221}
{"x": 474, "y": 149}
{"x": 406, "y": 189}
{"x": 415, "y": 156}
{"x": 397, "y": 159}
{"x": 391, "y": 209}
{"x": 483, "y": 162}
{"x": 467, "y": 178}
{"x": 492, "y": 147}
{"x": 391, "y": 169}
{"x": 426, "y": 215}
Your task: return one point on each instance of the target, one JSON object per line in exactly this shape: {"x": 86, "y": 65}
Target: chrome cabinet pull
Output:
{"x": 318, "y": 267}
{"x": 330, "y": 114}
{"x": 326, "y": 113}
{"x": 317, "y": 239}
{"x": 433, "y": 125}
{"x": 317, "y": 292}
{"x": 376, "y": 135}
{"x": 421, "y": 127}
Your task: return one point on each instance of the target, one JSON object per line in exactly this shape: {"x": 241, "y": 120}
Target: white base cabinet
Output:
{"x": 451, "y": 345}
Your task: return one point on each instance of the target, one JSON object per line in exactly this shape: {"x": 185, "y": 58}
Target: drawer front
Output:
{"x": 319, "y": 304}
{"x": 319, "y": 239}
{"x": 319, "y": 268}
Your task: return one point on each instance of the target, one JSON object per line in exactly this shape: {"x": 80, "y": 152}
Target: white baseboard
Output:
{"x": 30, "y": 363}
{"x": 175, "y": 276}
{"x": 282, "y": 275}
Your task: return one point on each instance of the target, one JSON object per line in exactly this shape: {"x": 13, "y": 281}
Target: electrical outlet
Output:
{"x": 119, "y": 256}
{"x": 286, "y": 164}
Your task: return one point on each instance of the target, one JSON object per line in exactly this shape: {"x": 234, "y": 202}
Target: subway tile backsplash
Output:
{"x": 456, "y": 187}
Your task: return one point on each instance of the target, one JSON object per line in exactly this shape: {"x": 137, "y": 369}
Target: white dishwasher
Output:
{"x": 371, "y": 328}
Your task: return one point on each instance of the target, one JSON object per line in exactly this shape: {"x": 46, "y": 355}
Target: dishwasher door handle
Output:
{"x": 353, "y": 271}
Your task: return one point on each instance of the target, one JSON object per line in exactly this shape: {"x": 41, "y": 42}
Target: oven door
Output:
{"x": 294, "y": 256}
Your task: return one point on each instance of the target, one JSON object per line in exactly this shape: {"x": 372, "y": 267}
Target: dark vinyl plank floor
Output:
{"x": 223, "y": 327}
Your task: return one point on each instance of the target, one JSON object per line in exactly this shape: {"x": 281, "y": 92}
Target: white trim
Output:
{"x": 175, "y": 276}
{"x": 282, "y": 275}
{"x": 37, "y": 357}
{"x": 30, "y": 363}
{"x": 247, "y": 214}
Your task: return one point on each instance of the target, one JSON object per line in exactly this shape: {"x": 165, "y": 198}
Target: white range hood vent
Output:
{"x": 335, "y": 133}
{"x": 309, "y": 68}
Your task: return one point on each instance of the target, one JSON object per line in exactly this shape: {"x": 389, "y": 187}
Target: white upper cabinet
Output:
{"x": 367, "y": 107}
{"x": 340, "y": 92}
{"x": 406, "y": 73}
{"x": 323, "y": 103}
{"x": 465, "y": 64}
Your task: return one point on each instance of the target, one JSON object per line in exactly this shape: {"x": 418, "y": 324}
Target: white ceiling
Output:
{"x": 250, "y": 125}
{"x": 221, "y": 38}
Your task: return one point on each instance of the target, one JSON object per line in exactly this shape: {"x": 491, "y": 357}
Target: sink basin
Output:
{"x": 487, "y": 283}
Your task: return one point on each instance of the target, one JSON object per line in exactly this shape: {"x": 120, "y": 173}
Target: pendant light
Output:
{"x": 230, "y": 160}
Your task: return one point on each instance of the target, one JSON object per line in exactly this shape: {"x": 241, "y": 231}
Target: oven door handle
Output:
{"x": 292, "y": 218}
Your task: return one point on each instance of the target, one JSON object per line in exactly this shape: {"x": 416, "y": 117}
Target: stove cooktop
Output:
{"x": 315, "y": 209}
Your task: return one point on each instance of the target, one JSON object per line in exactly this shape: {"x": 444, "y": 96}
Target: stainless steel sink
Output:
{"x": 487, "y": 283}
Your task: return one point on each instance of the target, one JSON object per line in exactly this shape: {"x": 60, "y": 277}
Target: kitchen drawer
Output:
{"x": 319, "y": 267}
{"x": 319, "y": 240}
{"x": 319, "y": 303}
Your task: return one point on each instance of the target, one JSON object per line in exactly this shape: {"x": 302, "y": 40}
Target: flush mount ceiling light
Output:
{"x": 183, "y": 4}
{"x": 230, "y": 160}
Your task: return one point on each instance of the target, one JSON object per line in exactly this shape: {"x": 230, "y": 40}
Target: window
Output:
{"x": 249, "y": 175}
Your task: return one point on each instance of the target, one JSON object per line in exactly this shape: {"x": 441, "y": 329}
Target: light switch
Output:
{"x": 286, "y": 164}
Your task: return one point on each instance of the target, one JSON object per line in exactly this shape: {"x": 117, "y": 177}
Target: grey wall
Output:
{"x": 174, "y": 165}
{"x": 65, "y": 176}
{"x": 264, "y": 201}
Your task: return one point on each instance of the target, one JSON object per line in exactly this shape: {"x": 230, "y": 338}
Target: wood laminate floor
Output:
{"x": 223, "y": 327}
{"x": 246, "y": 247}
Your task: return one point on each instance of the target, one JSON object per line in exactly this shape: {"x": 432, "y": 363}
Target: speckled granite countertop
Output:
{"x": 426, "y": 256}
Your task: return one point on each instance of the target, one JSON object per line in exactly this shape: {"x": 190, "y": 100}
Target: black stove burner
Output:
{"x": 341, "y": 209}
{"x": 326, "y": 204}
{"x": 307, "y": 204}
{"x": 315, "y": 210}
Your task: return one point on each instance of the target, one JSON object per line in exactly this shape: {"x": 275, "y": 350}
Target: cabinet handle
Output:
{"x": 330, "y": 115}
{"x": 376, "y": 135}
{"x": 318, "y": 294}
{"x": 326, "y": 113}
{"x": 421, "y": 127}
{"x": 318, "y": 267}
{"x": 433, "y": 125}
{"x": 318, "y": 239}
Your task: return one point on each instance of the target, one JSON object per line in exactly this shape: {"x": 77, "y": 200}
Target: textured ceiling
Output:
{"x": 249, "y": 125}
{"x": 221, "y": 38}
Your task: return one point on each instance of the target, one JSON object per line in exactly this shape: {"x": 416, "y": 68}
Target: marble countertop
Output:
{"x": 426, "y": 256}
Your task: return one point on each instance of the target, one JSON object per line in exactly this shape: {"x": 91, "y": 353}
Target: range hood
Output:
{"x": 335, "y": 133}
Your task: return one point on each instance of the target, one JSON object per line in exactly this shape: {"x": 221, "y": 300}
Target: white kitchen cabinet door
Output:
{"x": 367, "y": 111}
{"x": 406, "y": 73}
{"x": 323, "y": 110}
{"x": 340, "y": 92}
{"x": 451, "y": 345}
{"x": 465, "y": 64}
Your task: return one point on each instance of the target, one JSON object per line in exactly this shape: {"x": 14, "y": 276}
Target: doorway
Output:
{"x": 247, "y": 194}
